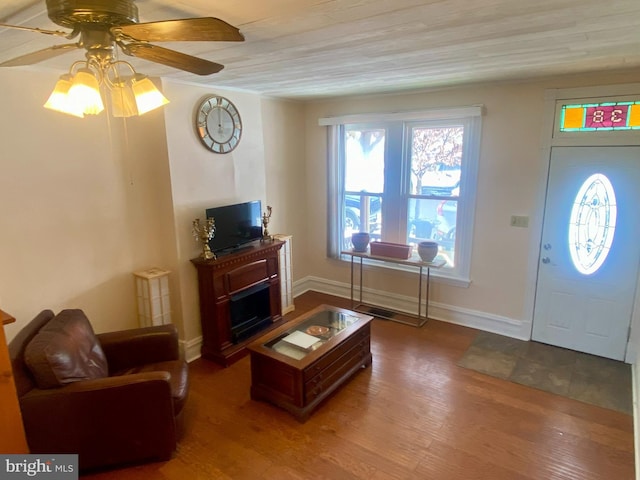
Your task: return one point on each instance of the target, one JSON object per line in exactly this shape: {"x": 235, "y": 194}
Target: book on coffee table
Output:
{"x": 301, "y": 339}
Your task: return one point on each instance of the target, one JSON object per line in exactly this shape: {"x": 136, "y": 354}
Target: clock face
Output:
{"x": 218, "y": 124}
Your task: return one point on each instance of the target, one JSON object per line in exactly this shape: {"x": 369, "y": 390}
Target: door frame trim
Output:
{"x": 551, "y": 97}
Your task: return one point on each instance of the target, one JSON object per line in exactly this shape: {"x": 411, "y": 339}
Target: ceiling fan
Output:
{"x": 104, "y": 24}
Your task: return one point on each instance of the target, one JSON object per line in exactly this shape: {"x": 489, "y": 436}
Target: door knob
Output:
{"x": 546, "y": 260}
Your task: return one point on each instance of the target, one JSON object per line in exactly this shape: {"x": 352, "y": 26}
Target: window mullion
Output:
{"x": 394, "y": 211}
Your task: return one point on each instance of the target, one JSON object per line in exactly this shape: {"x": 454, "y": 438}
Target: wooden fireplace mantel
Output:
{"x": 219, "y": 279}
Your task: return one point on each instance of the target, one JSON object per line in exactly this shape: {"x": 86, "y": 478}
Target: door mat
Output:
{"x": 580, "y": 376}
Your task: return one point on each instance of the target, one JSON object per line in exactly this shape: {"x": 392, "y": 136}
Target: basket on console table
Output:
{"x": 391, "y": 250}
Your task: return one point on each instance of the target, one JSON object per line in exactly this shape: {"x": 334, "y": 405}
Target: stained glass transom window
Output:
{"x": 589, "y": 117}
{"x": 592, "y": 224}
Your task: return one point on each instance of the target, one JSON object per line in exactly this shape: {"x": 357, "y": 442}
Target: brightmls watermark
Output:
{"x": 50, "y": 467}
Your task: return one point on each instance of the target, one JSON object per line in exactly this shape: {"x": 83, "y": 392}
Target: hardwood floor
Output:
{"x": 414, "y": 414}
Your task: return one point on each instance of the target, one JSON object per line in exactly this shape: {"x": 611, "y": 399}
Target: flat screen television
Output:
{"x": 236, "y": 225}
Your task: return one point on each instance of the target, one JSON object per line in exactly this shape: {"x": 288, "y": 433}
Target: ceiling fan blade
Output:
{"x": 40, "y": 55}
{"x": 57, "y": 33}
{"x": 171, "y": 58}
{"x": 189, "y": 29}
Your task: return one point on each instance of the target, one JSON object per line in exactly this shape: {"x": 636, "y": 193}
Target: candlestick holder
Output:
{"x": 265, "y": 221}
{"x": 204, "y": 233}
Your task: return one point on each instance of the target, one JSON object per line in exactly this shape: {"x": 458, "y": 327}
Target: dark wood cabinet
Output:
{"x": 244, "y": 283}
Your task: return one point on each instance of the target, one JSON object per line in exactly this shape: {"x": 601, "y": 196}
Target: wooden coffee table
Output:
{"x": 301, "y": 363}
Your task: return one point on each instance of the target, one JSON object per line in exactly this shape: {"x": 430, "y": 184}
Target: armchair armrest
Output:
{"x": 106, "y": 421}
{"x": 129, "y": 348}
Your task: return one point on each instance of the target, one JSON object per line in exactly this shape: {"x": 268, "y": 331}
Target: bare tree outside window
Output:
{"x": 434, "y": 150}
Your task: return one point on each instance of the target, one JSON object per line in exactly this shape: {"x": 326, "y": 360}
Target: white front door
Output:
{"x": 590, "y": 250}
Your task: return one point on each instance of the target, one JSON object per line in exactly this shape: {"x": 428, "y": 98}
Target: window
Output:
{"x": 592, "y": 224}
{"x": 405, "y": 178}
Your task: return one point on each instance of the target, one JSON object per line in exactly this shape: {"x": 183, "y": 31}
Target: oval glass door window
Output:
{"x": 592, "y": 224}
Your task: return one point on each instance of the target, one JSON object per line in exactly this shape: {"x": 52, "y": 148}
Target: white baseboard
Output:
{"x": 191, "y": 348}
{"x": 438, "y": 311}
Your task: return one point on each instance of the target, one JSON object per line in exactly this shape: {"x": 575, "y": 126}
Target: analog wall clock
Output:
{"x": 218, "y": 124}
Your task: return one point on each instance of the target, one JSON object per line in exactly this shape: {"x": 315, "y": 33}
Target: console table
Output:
{"x": 387, "y": 313}
{"x": 237, "y": 275}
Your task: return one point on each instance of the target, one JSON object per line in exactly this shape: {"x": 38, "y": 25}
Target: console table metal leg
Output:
{"x": 426, "y": 305}
{"x": 420, "y": 295}
{"x": 351, "y": 282}
{"x": 360, "y": 280}
{"x": 421, "y": 319}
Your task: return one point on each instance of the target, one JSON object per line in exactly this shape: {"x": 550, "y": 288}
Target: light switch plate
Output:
{"x": 519, "y": 221}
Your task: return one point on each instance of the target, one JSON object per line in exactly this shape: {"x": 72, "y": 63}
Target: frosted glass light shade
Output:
{"x": 78, "y": 93}
{"x": 123, "y": 100}
{"x": 59, "y": 100}
{"x": 148, "y": 97}
{"x": 85, "y": 92}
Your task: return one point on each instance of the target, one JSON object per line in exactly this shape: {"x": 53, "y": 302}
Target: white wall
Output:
{"x": 75, "y": 197}
{"x": 202, "y": 179}
{"x": 284, "y": 144}
{"x": 511, "y": 176}
{"x": 86, "y": 202}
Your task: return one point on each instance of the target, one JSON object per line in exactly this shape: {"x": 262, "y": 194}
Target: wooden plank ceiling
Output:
{"x": 316, "y": 48}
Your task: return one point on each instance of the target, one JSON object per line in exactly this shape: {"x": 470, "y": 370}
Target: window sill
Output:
{"x": 436, "y": 275}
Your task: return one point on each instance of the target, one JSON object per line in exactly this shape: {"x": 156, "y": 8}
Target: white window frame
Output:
{"x": 470, "y": 117}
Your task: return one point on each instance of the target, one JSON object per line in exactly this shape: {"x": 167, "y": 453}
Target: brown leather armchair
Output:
{"x": 112, "y": 398}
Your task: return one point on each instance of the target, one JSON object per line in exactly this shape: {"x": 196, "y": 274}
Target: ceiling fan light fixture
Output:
{"x": 59, "y": 99}
{"x": 106, "y": 26}
{"x": 85, "y": 92}
{"x": 130, "y": 95}
{"x": 147, "y": 96}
